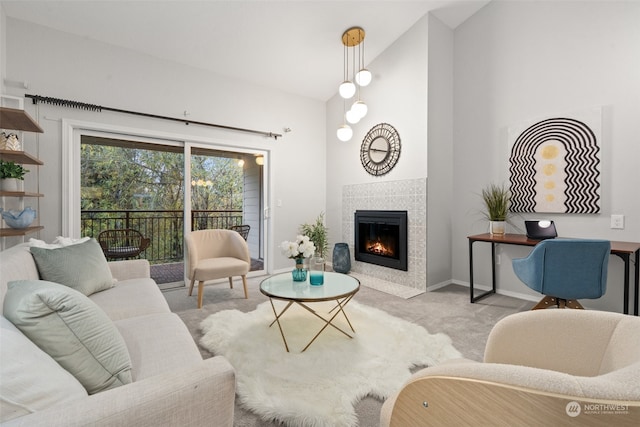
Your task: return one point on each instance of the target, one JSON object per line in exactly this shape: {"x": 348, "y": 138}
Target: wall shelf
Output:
{"x": 6, "y": 232}
{"x": 13, "y": 118}
{"x": 20, "y": 121}
{"x": 21, "y": 157}
{"x": 19, "y": 194}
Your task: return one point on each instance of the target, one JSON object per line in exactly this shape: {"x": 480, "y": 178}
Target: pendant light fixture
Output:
{"x": 351, "y": 38}
{"x": 363, "y": 76}
{"x": 345, "y": 132}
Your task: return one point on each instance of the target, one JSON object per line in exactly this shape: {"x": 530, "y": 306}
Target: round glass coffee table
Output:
{"x": 337, "y": 287}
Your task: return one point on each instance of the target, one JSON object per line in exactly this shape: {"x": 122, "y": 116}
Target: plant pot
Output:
{"x": 497, "y": 227}
{"x": 11, "y": 184}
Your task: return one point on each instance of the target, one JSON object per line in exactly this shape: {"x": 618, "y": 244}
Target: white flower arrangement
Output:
{"x": 301, "y": 248}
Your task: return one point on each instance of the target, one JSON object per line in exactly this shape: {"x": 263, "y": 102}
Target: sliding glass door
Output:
{"x": 143, "y": 185}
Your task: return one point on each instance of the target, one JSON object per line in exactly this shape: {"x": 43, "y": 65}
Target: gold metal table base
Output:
{"x": 339, "y": 308}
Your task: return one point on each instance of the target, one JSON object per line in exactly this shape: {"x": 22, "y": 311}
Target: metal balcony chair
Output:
{"x": 124, "y": 243}
{"x": 242, "y": 229}
{"x": 565, "y": 270}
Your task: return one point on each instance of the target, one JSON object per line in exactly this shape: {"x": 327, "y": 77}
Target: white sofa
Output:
{"x": 172, "y": 385}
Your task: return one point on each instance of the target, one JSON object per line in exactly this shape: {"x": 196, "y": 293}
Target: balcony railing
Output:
{"x": 164, "y": 227}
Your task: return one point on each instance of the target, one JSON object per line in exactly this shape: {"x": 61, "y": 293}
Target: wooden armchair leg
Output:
{"x": 200, "y": 292}
{"x": 546, "y": 302}
{"x": 549, "y": 301}
{"x": 571, "y": 303}
{"x": 244, "y": 285}
{"x": 231, "y": 282}
{"x": 191, "y": 285}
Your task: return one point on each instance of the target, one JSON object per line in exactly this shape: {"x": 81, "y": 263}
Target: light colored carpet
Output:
{"x": 445, "y": 310}
{"x": 318, "y": 388}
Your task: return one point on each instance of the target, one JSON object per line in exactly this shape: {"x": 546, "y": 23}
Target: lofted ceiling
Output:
{"x": 292, "y": 45}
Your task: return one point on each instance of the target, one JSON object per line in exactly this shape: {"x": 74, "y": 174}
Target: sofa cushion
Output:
{"x": 82, "y": 267}
{"x": 131, "y": 298}
{"x": 158, "y": 343}
{"x": 72, "y": 329}
{"x": 31, "y": 379}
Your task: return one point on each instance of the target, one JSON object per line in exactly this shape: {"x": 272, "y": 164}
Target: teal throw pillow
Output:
{"x": 71, "y": 329}
{"x": 82, "y": 267}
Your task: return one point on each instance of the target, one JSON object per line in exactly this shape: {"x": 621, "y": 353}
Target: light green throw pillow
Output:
{"x": 71, "y": 329}
{"x": 82, "y": 267}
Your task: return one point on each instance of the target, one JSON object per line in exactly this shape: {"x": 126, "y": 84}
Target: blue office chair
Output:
{"x": 564, "y": 270}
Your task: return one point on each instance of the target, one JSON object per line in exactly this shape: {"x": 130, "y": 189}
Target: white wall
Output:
{"x": 516, "y": 61}
{"x": 3, "y": 48}
{"x": 440, "y": 152}
{"x": 61, "y": 65}
{"x": 397, "y": 96}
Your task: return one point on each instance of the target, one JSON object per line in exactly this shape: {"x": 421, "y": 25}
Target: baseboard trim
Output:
{"x": 499, "y": 291}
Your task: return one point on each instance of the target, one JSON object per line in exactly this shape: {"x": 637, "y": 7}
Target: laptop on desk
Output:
{"x": 541, "y": 229}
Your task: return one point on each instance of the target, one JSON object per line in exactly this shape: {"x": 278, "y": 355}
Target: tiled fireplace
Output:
{"x": 405, "y": 195}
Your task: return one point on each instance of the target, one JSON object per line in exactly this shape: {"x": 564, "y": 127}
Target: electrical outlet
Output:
{"x": 617, "y": 221}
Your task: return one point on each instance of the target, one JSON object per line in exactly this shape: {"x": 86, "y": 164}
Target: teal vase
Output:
{"x": 299, "y": 273}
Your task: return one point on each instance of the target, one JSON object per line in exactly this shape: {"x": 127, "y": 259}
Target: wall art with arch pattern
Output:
{"x": 555, "y": 164}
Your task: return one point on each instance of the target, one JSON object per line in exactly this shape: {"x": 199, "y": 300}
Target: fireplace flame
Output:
{"x": 378, "y": 248}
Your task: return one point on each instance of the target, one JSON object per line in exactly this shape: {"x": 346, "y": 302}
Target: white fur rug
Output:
{"x": 320, "y": 386}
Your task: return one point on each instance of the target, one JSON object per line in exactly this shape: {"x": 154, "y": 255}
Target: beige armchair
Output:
{"x": 216, "y": 254}
{"x": 543, "y": 367}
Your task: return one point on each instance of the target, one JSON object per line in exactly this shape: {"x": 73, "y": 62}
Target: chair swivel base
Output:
{"x": 549, "y": 301}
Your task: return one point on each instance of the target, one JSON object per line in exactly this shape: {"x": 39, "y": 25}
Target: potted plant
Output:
{"x": 11, "y": 174}
{"x": 496, "y": 201}
{"x": 318, "y": 234}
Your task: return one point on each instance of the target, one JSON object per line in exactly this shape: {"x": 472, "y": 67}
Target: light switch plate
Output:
{"x": 617, "y": 221}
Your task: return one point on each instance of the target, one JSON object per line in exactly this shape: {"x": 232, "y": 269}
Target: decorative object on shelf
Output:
{"x": 316, "y": 271}
{"x": 341, "y": 258}
{"x": 9, "y": 142}
{"x": 298, "y": 250}
{"x": 351, "y": 38}
{"x": 318, "y": 234}
{"x": 380, "y": 149}
{"x": 11, "y": 175}
{"x": 18, "y": 219}
{"x": 496, "y": 201}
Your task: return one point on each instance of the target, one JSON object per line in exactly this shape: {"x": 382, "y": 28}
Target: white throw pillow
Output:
{"x": 59, "y": 242}
{"x": 31, "y": 379}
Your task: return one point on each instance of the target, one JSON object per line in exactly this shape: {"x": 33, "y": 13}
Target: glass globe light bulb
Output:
{"x": 352, "y": 117}
{"x": 363, "y": 77}
{"x": 359, "y": 108}
{"x": 344, "y": 133}
{"x": 347, "y": 89}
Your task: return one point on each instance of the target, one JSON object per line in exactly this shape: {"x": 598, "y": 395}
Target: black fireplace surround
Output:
{"x": 381, "y": 238}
